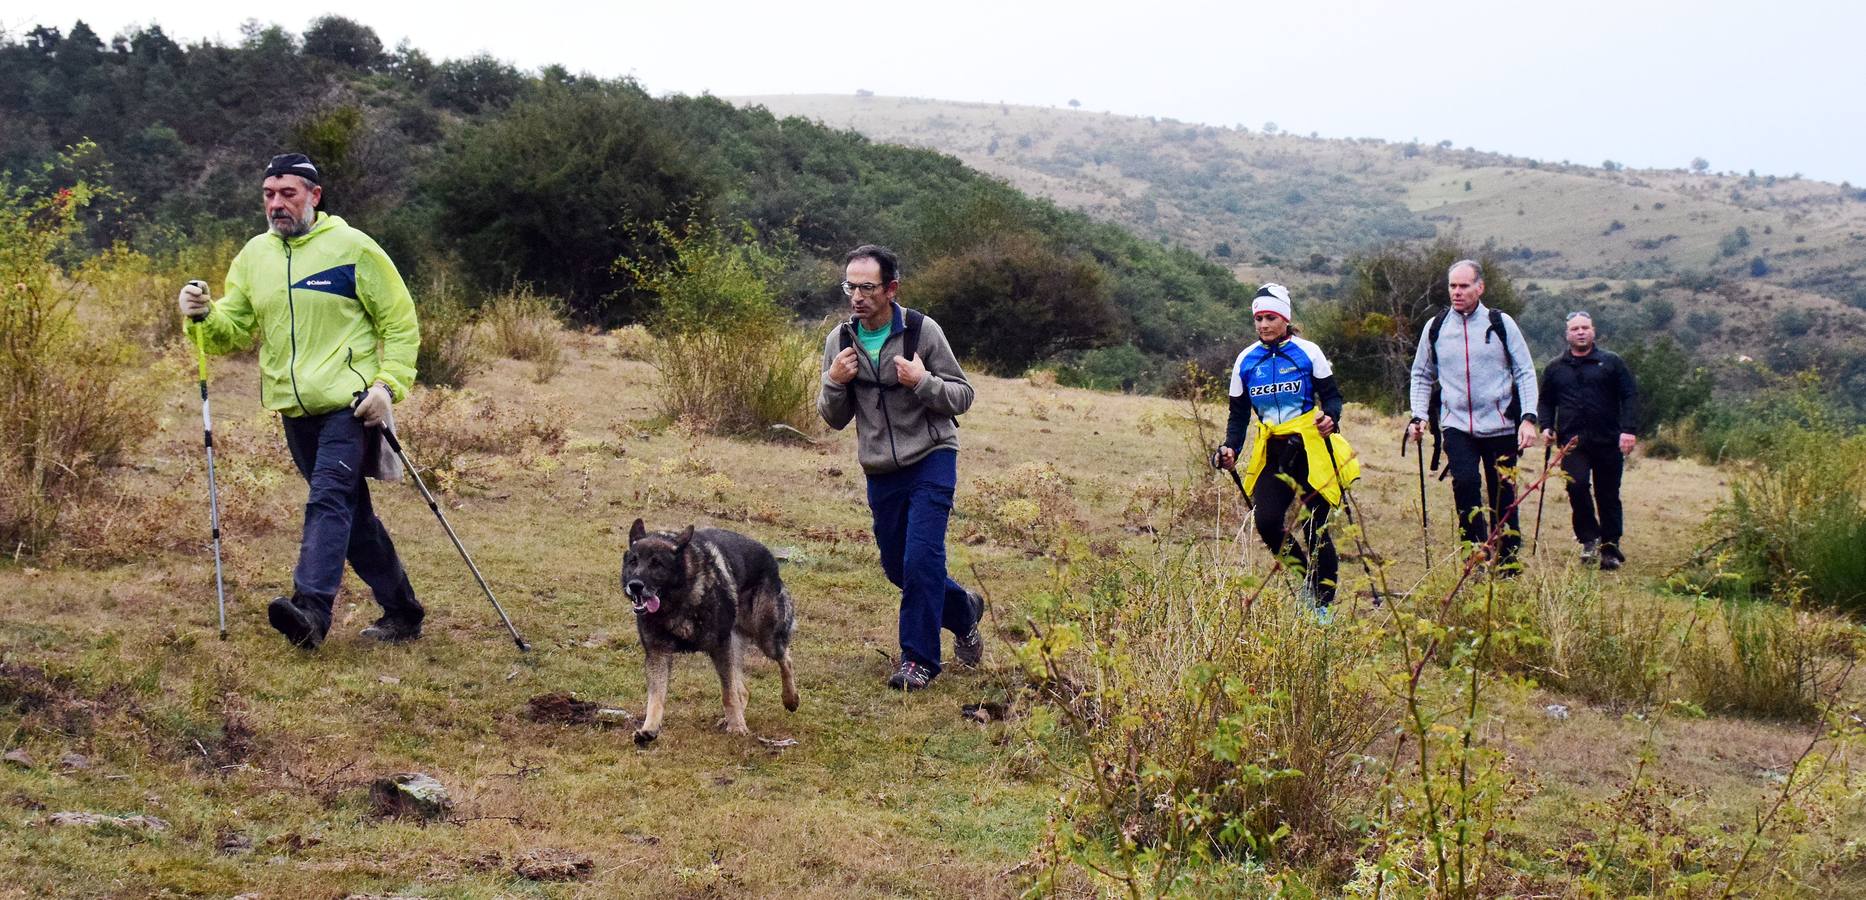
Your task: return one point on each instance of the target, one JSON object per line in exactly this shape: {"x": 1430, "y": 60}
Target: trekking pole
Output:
{"x": 213, "y": 488}
{"x": 1425, "y": 533}
{"x": 1234, "y": 479}
{"x": 1362, "y": 547}
{"x": 1535, "y": 543}
{"x": 395, "y": 445}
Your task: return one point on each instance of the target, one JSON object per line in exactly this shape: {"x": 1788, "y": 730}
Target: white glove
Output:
{"x": 375, "y": 405}
{"x": 193, "y": 300}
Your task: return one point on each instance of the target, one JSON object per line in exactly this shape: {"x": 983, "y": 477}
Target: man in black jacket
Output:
{"x": 1588, "y": 393}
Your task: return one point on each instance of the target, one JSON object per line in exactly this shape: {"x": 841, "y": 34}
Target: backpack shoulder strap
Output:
{"x": 1503, "y": 334}
{"x": 1431, "y": 415}
{"x": 1509, "y": 362}
{"x": 846, "y": 335}
{"x": 1431, "y": 335}
{"x": 910, "y": 325}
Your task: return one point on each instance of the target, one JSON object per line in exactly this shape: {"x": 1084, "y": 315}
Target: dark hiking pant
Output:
{"x": 911, "y": 507}
{"x": 332, "y": 451}
{"x": 1271, "y": 495}
{"x": 1468, "y": 458}
{"x": 1593, "y": 470}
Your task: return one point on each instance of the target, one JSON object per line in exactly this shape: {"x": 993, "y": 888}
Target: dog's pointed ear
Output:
{"x": 680, "y": 540}
{"x": 637, "y": 531}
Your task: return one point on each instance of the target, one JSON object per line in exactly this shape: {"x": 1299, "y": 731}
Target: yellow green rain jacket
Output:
{"x": 333, "y": 315}
{"x": 1321, "y": 471}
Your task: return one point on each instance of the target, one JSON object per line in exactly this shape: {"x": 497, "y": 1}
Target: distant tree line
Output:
{"x": 549, "y": 179}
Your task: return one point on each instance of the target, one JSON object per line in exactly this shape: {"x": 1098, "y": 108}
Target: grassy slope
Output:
{"x": 884, "y": 795}
{"x": 1565, "y": 208}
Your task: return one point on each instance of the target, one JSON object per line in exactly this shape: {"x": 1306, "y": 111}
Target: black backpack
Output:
{"x": 910, "y": 344}
{"x": 1509, "y": 360}
{"x": 910, "y": 338}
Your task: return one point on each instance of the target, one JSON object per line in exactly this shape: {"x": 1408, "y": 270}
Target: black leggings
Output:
{"x": 1272, "y": 497}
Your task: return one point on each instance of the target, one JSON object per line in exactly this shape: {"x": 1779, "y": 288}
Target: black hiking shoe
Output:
{"x": 390, "y": 630}
{"x": 303, "y": 627}
{"x": 1610, "y": 557}
{"x": 969, "y": 649}
{"x": 910, "y": 676}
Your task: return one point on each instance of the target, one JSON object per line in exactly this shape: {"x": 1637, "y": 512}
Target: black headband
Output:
{"x": 292, "y": 164}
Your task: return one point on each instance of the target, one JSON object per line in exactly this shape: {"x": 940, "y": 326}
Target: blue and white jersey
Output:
{"x": 1280, "y": 380}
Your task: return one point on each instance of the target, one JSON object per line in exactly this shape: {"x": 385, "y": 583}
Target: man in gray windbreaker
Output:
{"x": 891, "y": 371}
{"x": 1476, "y": 363}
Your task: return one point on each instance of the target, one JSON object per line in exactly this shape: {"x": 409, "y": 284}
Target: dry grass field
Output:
{"x": 258, "y": 756}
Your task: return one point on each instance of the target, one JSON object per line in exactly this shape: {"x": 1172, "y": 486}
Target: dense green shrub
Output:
{"x": 1799, "y": 517}
{"x": 730, "y": 359}
{"x": 1017, "y": 302}
{"x": 1671, "y": 388}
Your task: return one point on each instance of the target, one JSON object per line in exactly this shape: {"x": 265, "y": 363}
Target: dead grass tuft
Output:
{"x": 457, "y": 436}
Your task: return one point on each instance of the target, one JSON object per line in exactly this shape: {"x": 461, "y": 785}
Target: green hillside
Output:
{"x": 1285, "y": 196}
{"x": 1761, "y": 266}
{"x": 473, "y": 169}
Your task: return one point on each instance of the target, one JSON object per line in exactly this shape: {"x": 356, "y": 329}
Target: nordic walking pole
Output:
{"x": 389, "y": 435}
{"x": 213, "y": 489}
{"x": 1362, "y": 546}
{"x": 1425, "y": 532}
{"x": 1542, "y": 493}
{"x": 1234, "y": 479}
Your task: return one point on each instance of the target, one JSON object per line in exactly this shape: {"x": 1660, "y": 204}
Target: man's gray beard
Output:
{"x": 299, "y": 227}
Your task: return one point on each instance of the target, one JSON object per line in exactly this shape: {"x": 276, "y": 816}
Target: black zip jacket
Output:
{"x": 1593, "y": 397}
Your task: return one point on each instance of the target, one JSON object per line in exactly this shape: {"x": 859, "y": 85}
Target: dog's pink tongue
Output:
{"x": 654, "y": 603}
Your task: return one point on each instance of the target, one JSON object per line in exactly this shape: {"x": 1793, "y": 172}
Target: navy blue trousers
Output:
{"x": 911, "y": 508}
{"x": 1468, "y": 455}
{"x": 332, "y": 451}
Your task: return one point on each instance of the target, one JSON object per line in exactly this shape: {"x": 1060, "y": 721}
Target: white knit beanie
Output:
{"x": 1272, "y": 297}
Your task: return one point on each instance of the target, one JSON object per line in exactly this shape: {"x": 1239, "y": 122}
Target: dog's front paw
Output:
{"x": 730, "y": 727}
{"x": 644, "y": 737}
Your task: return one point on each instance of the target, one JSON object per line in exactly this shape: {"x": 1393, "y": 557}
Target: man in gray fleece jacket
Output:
{"x": 1487, "y": 401}
{"x": 890, "y": 370}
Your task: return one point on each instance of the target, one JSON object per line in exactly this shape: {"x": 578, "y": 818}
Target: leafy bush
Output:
{"x": 1013, "y": 302}
{"x": 1211, "y": 728}
{"x": 72, "y": 401}
{"x": 1032, "y": 507}
{"x": 449, "y": 354}
{"x": 741, "y": 380}
{"x": 1671, "y": 389}
{"x": 1799, "y": 517}
{"x": 729, "y": 358}
{"x": 1122, "y": 367}
{"x": 535, "y": 193}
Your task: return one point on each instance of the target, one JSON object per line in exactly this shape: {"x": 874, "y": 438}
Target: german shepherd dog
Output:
{"x": 708, "y": 591}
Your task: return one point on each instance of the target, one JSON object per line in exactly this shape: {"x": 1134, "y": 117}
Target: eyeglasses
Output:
{"x": 1578, "y": 312}
{"x": 850, "y": 288}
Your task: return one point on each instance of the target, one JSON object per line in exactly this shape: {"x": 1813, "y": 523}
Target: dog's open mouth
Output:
{"x": 647, "y": 602}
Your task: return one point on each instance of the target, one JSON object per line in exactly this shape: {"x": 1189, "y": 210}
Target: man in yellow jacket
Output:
{"x": 336, "y": 324}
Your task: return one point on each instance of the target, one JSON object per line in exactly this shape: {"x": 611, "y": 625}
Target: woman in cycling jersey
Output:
{"x": 1287, "y": 382}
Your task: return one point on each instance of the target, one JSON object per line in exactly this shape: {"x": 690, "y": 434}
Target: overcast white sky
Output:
{"x": 1778, "y": 87}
